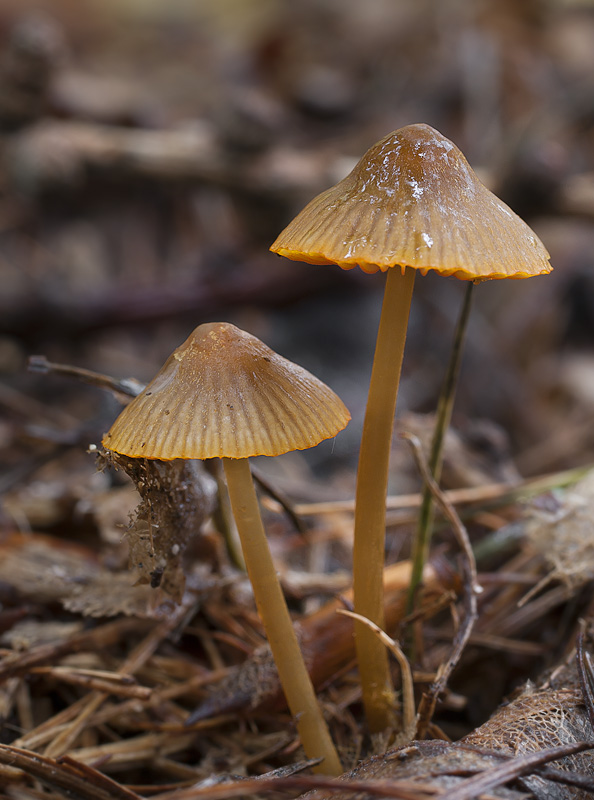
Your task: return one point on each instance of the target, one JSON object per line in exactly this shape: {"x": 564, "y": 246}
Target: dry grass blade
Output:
{"x": 137, "y": 751}
{"x": 489, "y": 493}
{"x": 135, "y": 660}
{"x": 408, "y": 694}
{"x": 120, "y": 685}
{"x": 94, "y": 640}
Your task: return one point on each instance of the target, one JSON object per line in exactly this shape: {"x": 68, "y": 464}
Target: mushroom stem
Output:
{"x": 445, "y": 405}
{"x": 274, "y": 613}
{"x": 370, "y": 502}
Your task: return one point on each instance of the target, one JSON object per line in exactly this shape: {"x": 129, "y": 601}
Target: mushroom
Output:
{"x": 223, "y": 393}
{"x": 414, "y": 203}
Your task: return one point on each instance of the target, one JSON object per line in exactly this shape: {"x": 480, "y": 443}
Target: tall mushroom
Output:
{"x": 414, "y": 203}
{"x": 223, "y": 393}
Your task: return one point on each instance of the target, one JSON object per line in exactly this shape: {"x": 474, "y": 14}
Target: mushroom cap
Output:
{"x": 414, "y": 201}
{"x": 224, "y": 393}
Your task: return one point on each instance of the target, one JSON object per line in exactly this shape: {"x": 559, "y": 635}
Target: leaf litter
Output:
{"x": 113, "y": 687}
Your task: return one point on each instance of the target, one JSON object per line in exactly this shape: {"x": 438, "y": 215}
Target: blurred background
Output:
{"x": 150, "y": 153}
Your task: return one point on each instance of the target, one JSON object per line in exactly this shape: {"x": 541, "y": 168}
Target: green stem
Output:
{"x": 370, "y": 502}
{"x": 444, "y": 415}
{"x": 274, "y": 613}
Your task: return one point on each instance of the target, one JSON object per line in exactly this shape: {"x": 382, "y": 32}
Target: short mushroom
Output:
{"x": 414, "y": 203}
{"x": 223, "y": 393}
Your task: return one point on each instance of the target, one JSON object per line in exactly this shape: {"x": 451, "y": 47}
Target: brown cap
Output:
{"x": 223, "y": 393}
{"x": 414, "y": 201}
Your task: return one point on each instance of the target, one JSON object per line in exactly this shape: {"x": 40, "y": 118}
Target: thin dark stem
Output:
{"x": 281, "y": 499}
{"x": 585, "y": 670}
{"x": 471, "y": 589}
{"x": 444, "y": 415}
{"x": 126, "y": 387}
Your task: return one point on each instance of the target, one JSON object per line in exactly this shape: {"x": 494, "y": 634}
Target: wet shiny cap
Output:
{"x": 224, "y": 393}
{"x": 414, "y": 201}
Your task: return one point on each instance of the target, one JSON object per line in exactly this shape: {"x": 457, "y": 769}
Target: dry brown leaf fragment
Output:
{"x": 46, "y": 569}
{"x": 562, "y": 533}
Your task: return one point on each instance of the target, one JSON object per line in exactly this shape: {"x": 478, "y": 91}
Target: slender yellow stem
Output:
{"x": 273, "y": 610}
{"x": 370, "y": 500}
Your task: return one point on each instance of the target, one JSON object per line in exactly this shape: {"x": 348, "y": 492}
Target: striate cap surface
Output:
{"x": 224, "y": 393}
{"x": 414, "y": 201}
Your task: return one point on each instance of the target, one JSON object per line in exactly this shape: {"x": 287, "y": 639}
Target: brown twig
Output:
{"x": 75, "y": 779}
{"x": 563, "y": 776}
{"x": 128, "y": 387}
{"x": 87, "y": 772}
{"x": 511, "y": 770}
{"x": 119, "y": 685}
{"x": 287, "y": 506}
{"x": 472, "y": 588}
{"x": 585, "y": 672}
{"x": 447, "y": 508}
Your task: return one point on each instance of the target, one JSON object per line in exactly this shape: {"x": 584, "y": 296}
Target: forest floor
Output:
{"x": 149, "y": 155}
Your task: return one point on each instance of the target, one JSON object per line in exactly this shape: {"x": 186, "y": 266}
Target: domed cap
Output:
{"x": 414, "y": 201}
{"x": 223, "y": 393}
